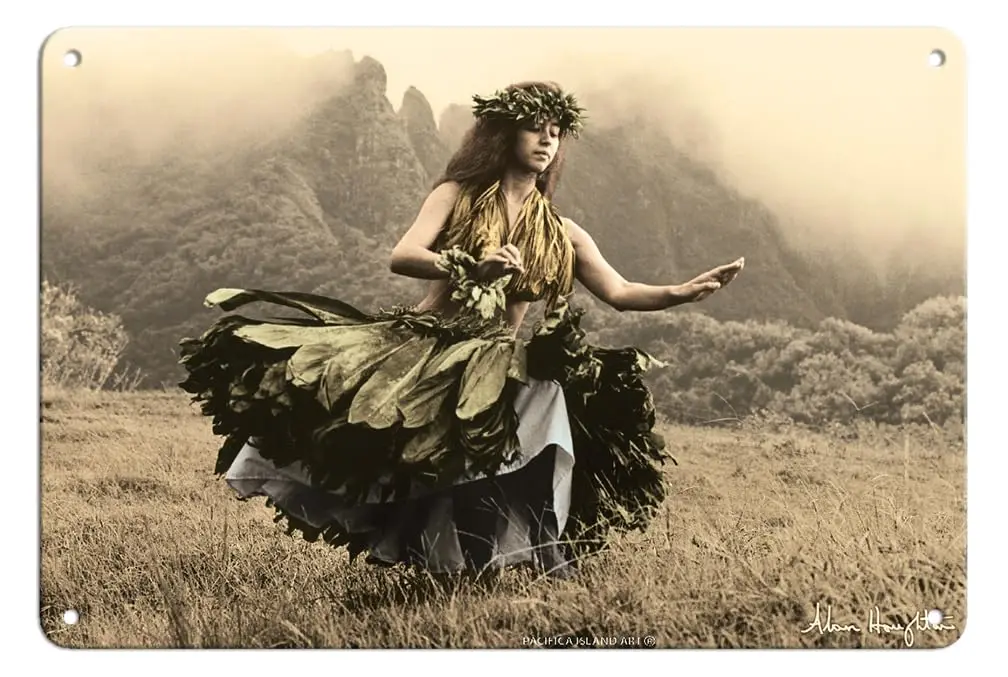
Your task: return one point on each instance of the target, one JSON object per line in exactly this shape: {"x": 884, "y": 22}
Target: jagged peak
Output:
{"x": 370, "y": 71}
{"x": 414, "y": 97}
{"x": 415, "y": 109}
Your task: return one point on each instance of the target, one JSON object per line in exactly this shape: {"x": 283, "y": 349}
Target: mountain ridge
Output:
{"x": 317, "y": 207}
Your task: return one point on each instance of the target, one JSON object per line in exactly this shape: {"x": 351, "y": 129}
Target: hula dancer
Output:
{"x": 432, "y": 435}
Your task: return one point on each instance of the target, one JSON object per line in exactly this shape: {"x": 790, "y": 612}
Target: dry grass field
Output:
{"x": 760, "y": 525}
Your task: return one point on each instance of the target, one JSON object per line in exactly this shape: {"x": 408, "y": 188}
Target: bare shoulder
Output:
{"x": 439, "y": 203}
{"x": 577, "y": 234}
{"x": 446, "y": 192}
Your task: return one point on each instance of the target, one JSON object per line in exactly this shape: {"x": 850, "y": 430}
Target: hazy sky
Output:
{"x": 843, "y": 132}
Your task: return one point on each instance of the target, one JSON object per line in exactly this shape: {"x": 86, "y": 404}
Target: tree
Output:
{"x": 80, "y": 346}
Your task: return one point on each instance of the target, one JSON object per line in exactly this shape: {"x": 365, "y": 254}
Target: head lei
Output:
{"x": 533, "y": 104}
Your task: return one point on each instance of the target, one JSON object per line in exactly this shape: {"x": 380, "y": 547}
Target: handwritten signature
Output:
{"x": 922, "y": 621}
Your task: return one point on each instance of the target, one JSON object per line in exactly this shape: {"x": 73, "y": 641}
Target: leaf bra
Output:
{"x": 478, "y": 225}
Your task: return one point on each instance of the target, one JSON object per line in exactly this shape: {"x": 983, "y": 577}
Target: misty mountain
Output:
{"x": 317, "y": 205}
{"x": 454, "y": 121}
{"x": 430, "y": 147}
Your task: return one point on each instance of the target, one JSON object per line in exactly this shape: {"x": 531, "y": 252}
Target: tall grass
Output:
{"x": 761, "y": 525}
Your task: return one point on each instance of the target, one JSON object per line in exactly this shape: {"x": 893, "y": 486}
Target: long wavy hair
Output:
{"x": 488, "y": 148}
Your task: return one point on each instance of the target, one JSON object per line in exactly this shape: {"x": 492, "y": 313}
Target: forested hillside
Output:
{"x": 317, "y": 204}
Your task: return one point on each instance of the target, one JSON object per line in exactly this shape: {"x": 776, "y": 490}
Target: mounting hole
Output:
{"x": 935, "y": 617}
{"x": 72, "y": 59}
{"x": 70, "y": 617}
{"x": 936, "y": 58}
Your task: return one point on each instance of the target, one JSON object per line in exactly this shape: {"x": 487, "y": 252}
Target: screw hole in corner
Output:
{"x": 72, "y": 59}
{"x": 936, "y": 58}
{"x": 70, "y": 617}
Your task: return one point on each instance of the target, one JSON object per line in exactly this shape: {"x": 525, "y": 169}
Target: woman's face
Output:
{"x": 537, "y": 145}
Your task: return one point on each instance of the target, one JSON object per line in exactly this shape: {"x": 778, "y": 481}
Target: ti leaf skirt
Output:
{"x": 447, "y": 444}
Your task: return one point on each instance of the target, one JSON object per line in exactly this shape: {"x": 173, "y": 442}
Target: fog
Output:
{"x": 140, "y": 96}
{"x": 847, "y": 134}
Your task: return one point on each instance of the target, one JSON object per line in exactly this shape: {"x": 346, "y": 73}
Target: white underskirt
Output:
{"x": 543, "y": 422}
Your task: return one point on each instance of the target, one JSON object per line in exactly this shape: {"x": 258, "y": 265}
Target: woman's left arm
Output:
{"x": 605, "y": 282}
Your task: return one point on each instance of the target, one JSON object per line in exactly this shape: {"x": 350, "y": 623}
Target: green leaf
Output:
{"x": 279, "y": 336}
{"x": 364, "y": 349}
{"x": 422, "y": 403}
{"x": 483, "y": 379}
{"x": 305, "y": 367}
{"x": 518, "y": 367}
{"x": 429, "y": 440}
{"x": 273, "y": 382}
{"x": 376, "y": 403}
{"x": 332, "y": 425}
{"x": 221, "y": 296}
{"x": 323, "y": 308}
{"x": 487, "y": 306}
{"x": 452, "y": 355}
{"x": 241, "y": 406}
{"x": 491, "y": 437}
{"x": 239, "y": 391}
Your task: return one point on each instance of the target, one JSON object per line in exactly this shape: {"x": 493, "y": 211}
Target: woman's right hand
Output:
{"x": 502, "y": 262}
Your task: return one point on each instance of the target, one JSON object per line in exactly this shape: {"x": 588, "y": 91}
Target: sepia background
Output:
{"x": 816, "y": 405}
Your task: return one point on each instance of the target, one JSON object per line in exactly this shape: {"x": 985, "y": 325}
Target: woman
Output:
{"x": 433, "y": 435}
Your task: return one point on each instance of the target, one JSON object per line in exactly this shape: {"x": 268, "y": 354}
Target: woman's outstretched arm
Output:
{"x": 412, "y": 255}
{"x": 606, "y": 283}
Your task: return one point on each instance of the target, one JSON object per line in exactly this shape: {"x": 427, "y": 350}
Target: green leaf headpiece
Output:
{"x": 535, "y": 104}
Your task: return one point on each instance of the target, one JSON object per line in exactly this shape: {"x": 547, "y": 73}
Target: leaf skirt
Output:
{"x": 442, "y": 442}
